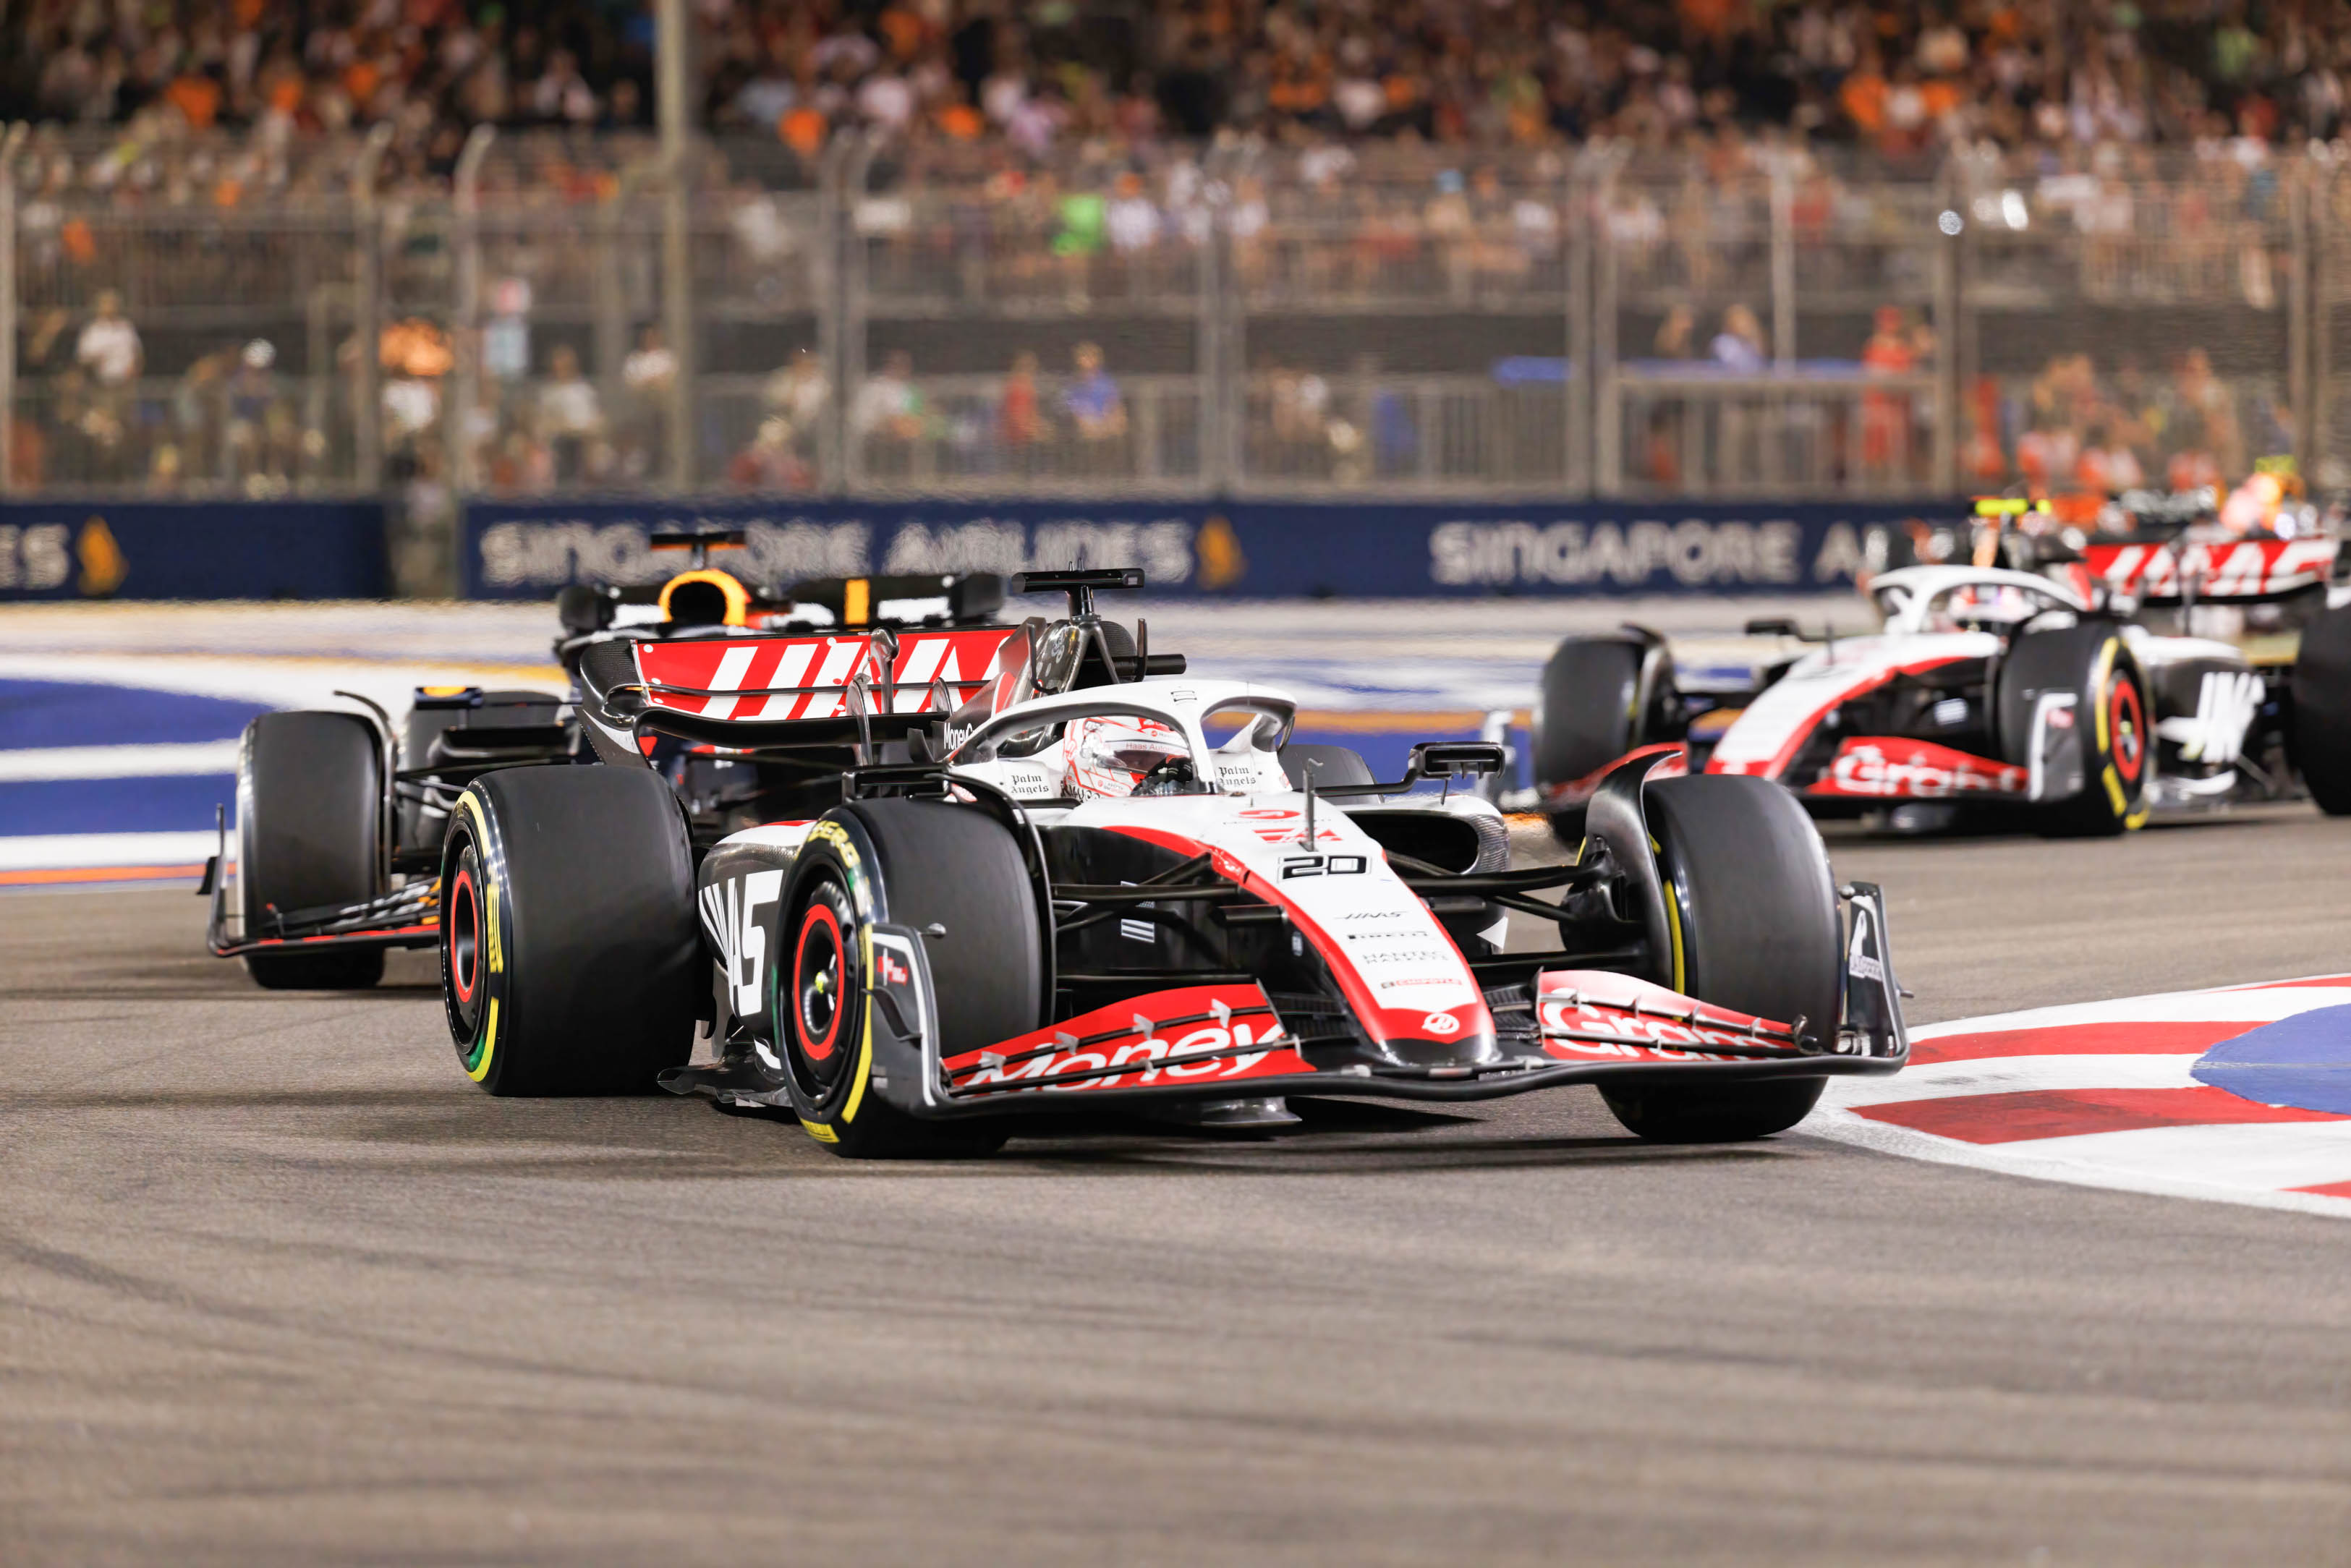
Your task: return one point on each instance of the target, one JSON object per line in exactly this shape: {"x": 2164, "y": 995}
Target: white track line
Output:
{"x": 34, "y": 764}
{"x": 2088, "y": 1166}
{"x": 82, "y": 852}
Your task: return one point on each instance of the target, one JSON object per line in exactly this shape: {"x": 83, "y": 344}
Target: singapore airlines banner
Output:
{"x": 1238, "y": 549}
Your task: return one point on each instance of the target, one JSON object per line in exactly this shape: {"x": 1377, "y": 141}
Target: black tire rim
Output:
{"x": 819, "y": 998}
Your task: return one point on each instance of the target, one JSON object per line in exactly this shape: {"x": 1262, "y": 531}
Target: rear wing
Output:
{"x": 814, "y": 690}
{"x": 2233, "y": 571}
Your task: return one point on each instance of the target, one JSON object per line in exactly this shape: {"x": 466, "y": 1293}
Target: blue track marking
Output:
{"x": 2303, "y": 1062}
{"x": 115, "y": 805}
{"x": 73, "y": 713}
{"x": 42, "y": 714}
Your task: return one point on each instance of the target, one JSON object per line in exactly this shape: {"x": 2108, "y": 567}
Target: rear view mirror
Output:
{"x": 1772, "y": 626}
{"x": 1455, "y": 759}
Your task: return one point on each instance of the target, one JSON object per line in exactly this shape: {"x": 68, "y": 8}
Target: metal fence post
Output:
{"x": 857, "y": 167}
{"x": 2299, "y": 390}
{"x": 832, "y": 310}
{"x": 1783, "y": 260}
{"x": 367, "y": 416}
{"x": 678, "y": 328}
{"x": 2318, "y": 419}
{"x": 1576, "y": 196}
{"x": 466, "y": 391}
{"x": 1945, "y": 438}
{"x": 1608, "y": 419}
{"x": 8, "y": 150}
{"x": 1217, "y": 472}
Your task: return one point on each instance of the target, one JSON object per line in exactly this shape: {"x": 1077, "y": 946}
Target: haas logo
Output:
{"x": 2225, "y": 708}
{"x": 1441, "y": 1024}
{"x": 730, "y": 910}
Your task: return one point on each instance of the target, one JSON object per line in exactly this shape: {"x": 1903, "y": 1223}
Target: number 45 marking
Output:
{"x": 1323, "y": 865}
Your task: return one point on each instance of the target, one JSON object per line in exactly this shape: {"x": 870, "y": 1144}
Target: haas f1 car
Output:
{"x": 919, "y": 878}
{"x": 2049, "y": 692}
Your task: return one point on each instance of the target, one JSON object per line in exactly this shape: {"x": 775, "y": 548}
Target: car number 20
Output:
{"x": 1323, "y": 865}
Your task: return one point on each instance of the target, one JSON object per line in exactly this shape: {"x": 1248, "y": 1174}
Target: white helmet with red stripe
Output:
{"x": 1111, "y": 754}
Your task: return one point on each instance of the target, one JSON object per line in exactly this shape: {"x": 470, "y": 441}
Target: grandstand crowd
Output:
{"x": 1374, "y": 156}
{"x": 1892, "y": 75}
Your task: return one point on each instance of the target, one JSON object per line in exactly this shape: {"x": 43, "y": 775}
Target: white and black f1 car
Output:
{"x": 965, "y": 873}
{"x": 2063, "y": 693}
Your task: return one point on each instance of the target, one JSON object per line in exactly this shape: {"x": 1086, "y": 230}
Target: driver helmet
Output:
{"x": 1111, "y": 754}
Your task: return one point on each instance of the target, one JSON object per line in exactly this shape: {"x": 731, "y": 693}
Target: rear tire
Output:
{"x": 1591, "y": 710}
{"x": 2320, "y": 741}
{"x": 950, "y": 871}
{"x": 570, "y": 960}
{"x": 309, "y": 815}
{"x": 2112, "y": 715}
{"x": 1755, "y": 910}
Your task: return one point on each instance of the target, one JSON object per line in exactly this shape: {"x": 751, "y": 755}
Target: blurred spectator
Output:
{"x": 1740, "y": 345}
{"x": 1091, "y": 400}
{"x": 770, "y": 462}
{"x": 648, "y": 378}
{"x": 1885, "y": 416}
{"x": 1677, "y": 334}
{"x": 795, "y": 399}
{"x": 571, "y": 417}
{"x": 1019, "y": 424}
{"x": 109, "y": 346}
{"x": 888, "y": 407}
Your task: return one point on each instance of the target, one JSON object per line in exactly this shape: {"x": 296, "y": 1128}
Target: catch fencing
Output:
{"x": 571, "y": 315}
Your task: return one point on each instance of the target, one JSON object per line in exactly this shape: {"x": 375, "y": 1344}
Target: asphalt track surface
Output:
{"x": 278, "y": 1285}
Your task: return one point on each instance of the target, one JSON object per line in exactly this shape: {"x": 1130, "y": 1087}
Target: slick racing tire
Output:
{"x": 2114, "y": 715}
{"x": 956, "y": 875}
{"x": 1591, "y": 711}
{"x": 570, "y": 961}
{"x": 2320, "y": 740}
{"x": 1334, "y": 768}
{"x": 1754, "y": 912}
{"x": 309, "y": 822}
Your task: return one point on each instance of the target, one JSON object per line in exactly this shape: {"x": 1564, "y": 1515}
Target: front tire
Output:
{"x": 1754, "y": 912}
{"x": 2112, "y": 716}
{"x": 570, "y": 961}
{"x": 309, "y": 815}
{"x": 956, "y": 876}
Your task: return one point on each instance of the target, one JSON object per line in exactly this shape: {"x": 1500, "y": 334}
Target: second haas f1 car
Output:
{"x": 922, "y": 881}
{"x": 2042, "y": 693}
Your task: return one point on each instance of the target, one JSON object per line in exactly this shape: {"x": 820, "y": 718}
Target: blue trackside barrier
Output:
{"x": 192, "y": 549}
{"x": 1240, "y": 548}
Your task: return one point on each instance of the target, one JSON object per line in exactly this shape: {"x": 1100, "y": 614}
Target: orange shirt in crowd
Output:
{"x": 197, "y": 98}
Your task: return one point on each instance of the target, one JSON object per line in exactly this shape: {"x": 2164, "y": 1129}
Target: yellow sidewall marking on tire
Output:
{"x": 2098, "y": 691}
{"x": 481, "y": 1069}
{"x": 820, "y": 1132}
{"x": 1673, "y": 916}
{"x": 865, "y": 1041}
{"x": 2114, "y": 792}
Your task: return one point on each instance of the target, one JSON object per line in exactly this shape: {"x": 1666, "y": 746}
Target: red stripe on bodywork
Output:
{"x": 1803, "y": 731}
{"x": 1369, "y": 1011}
{"x": 2069, "y": 1113}
{"x": 2083, "y": 1040}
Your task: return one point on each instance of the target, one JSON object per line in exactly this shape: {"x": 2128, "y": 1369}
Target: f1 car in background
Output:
{"x": 341, "y": 813}
{"x": 921, "y": 879}
{"x": 2068, "y": 693}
